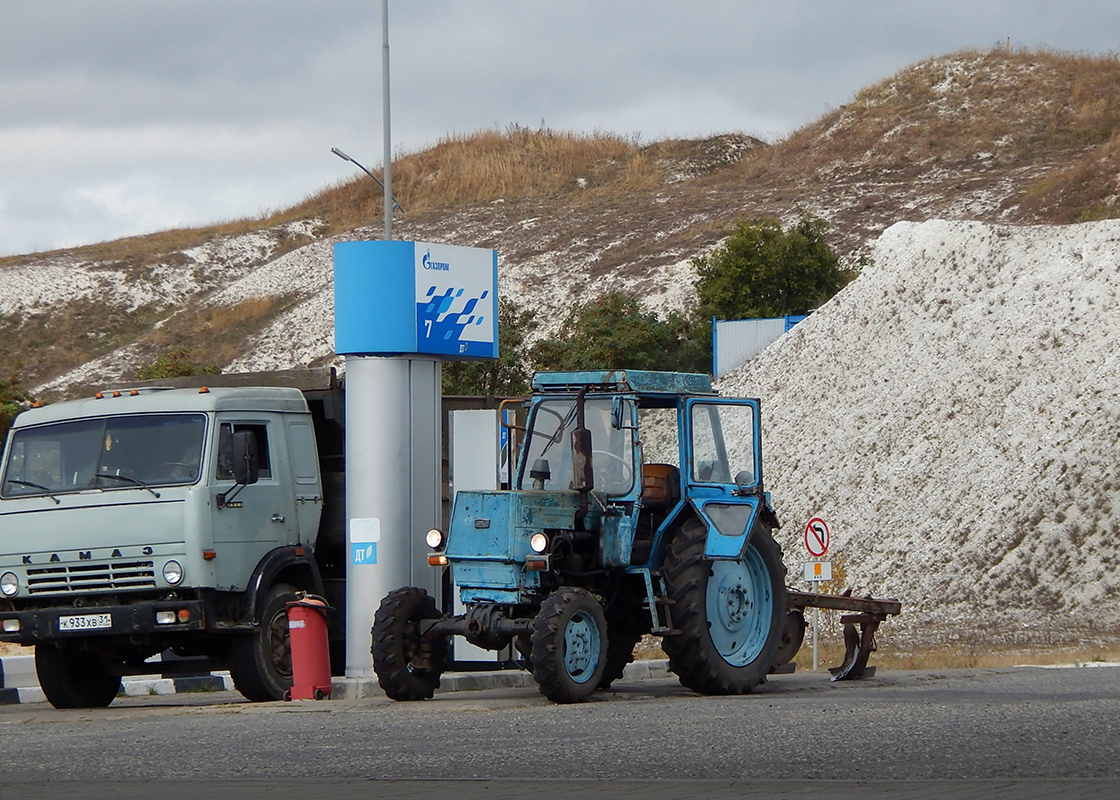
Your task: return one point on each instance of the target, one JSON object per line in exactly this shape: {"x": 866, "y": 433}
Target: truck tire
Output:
{"x": 261, "y": 663}
{"x": 398, "y": 646}
{"x": 729, "y": 615}
{"x": 569, "y": 645}
{"x": 73, "y": 678}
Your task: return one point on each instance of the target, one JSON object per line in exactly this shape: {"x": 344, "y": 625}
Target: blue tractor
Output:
{"x": 637, "y": 507}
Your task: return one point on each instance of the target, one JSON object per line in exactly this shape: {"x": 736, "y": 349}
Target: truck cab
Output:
{"x": 148, "y": 521}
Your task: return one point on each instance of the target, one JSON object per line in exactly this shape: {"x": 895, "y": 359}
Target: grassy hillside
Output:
{"x": 1021, "y": 137}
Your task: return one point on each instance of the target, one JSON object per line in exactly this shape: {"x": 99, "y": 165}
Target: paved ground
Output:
{"x": 1016, "y": 733}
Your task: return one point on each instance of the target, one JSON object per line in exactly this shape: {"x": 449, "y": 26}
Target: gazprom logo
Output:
{"x": 429, "y": 264}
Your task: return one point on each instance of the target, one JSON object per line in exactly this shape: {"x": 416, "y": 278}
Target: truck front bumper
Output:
{"x": 47, "y": 624}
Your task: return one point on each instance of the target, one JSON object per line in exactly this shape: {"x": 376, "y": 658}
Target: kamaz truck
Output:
{"x": 154, "y": 530}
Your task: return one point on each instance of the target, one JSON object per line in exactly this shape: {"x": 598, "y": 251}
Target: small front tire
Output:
{"x": 569, "y": 650}
{"x": 407, "y": 664}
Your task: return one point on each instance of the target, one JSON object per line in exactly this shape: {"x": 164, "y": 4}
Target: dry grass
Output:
{"x": 480, "y": 168}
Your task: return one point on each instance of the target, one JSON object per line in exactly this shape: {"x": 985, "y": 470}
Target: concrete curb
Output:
{"x": 18, "y": 683}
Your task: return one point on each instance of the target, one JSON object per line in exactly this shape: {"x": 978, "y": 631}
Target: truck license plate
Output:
{"x": 85, "y": 622}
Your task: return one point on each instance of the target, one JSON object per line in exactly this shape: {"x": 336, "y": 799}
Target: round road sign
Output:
{"x": 816, "y": 537}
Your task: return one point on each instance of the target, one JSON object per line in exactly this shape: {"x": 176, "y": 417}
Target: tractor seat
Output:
{"x": 661, "y": 485}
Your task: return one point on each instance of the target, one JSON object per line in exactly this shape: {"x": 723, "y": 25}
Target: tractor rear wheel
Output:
{"x": 407, "y": 664}
{"x": 569, "y": 645}
{"x": 729, "y": 615}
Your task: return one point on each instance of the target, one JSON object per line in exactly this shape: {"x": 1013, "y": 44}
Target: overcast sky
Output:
{"x": 120, "y": 117}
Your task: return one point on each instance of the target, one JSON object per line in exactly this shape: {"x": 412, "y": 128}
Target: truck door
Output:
{"x": 261, "y": 516}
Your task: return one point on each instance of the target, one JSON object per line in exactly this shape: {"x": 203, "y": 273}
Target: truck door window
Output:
{"x": 225, "y": 448}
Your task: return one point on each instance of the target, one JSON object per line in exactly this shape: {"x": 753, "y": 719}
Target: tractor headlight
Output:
{"x": 173, "y": 572}
{"x": 539, "y": 543}
{"x": 434, "y": 538}
{"x": 9, "y": 584}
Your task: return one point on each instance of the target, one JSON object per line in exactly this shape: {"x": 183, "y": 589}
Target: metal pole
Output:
{"x": 387, "y": 171}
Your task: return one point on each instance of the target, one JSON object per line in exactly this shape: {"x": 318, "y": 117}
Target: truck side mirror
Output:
{"x": 620, "y": 419}
{"x": 246, "y": 458}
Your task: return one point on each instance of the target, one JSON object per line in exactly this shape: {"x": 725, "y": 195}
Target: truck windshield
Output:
{"x": 550, "y": 440}
{"x": 107, "y": 453}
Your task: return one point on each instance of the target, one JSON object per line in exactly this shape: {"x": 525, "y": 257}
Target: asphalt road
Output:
{"x": 1022, "y": 732}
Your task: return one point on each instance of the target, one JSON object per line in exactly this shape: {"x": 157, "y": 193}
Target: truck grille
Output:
{"x": 91, "y": 577}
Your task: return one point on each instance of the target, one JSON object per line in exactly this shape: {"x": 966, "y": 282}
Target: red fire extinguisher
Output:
{"x": 311, "y": 661}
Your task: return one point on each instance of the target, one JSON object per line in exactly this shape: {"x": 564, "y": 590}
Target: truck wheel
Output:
{"x": 408, "y": 666}
{"x": 729, "y": 614}
{"x": 73, "y": 678}
{"x": 569, "y": 645}
{"x": 261, "y": 663}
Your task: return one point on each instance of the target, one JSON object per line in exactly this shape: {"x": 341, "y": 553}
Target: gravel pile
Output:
{"x": 953, "y": 415}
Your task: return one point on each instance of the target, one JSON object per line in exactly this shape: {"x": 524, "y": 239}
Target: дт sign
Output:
{"x": 816, "y": 537}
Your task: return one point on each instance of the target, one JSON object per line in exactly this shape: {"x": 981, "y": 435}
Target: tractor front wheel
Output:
{"x": 569, "y": 645}
{"x": 729, "y": 615}
{"x": 407, "y": 664}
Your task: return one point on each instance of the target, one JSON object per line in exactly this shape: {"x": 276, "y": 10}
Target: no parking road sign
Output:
{"x": 816, "y": 537}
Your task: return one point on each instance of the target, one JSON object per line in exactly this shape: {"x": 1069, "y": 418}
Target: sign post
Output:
{"x": 817, "y": 539}
{"x": 400, "y": 309}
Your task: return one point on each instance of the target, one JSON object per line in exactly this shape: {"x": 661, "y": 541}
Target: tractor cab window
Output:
{"x": 549, "y": 447}
{"x": 723, "y": 446}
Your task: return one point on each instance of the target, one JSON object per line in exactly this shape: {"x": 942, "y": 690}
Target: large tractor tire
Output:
{"x": 261, "y": 663}
{"x": 729, "y": 615}
{"x": 73, "y": 678}
{"x": 569, "y": 649}
{"x": 620, "y": 652}
{"x": 408, "y": 666}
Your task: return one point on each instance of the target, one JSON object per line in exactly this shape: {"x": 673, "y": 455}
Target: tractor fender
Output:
{"x": 730, "y": 522}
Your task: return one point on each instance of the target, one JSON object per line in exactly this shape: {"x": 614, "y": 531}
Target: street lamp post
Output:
{"x": 391, "y": 202}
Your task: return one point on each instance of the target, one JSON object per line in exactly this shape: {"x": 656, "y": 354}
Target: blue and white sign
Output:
{"x": 415, "y": 297}
{"x": 365, "y": 533}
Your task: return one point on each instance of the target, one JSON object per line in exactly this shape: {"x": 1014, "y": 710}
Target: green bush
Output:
{"x": 505, "y": 376}
{"x": 176, "y": 364}
{"x": 764, "y": 270}
{"x": 613, "y": 332}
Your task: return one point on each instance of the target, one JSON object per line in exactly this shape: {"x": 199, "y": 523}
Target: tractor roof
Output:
{"x": 637, "y": 381}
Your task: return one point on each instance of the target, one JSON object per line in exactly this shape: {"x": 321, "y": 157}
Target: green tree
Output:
{"x": 176, "y": 364}
{"x": 613, "y": 332}
{"x": 13, "y": 399}
{"x": 764, "y": 270}
{"x": 505, "y": 376}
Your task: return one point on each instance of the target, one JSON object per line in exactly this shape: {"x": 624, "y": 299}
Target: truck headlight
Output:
{"x": 539, "y": 543}
{"x": 434, "y": 538}
{"x": 173, "y": 572}
{"x": 9, "y": 584}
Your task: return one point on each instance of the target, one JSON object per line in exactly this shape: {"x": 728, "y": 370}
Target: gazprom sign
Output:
{"x": 396, "y": 297}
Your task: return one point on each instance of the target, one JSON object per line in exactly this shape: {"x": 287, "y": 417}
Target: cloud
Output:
{"x": 203, "y": 104}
